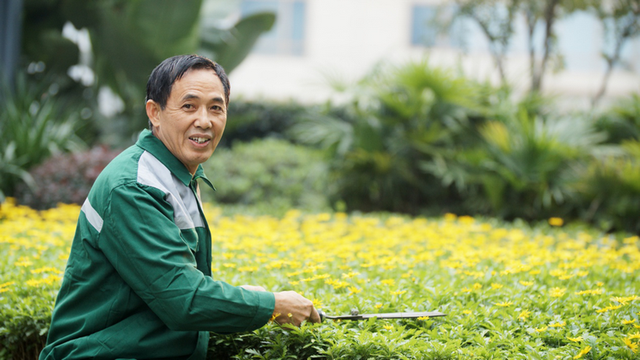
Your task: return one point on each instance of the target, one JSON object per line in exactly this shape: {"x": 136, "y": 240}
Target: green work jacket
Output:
{"x": 138, "y": 280}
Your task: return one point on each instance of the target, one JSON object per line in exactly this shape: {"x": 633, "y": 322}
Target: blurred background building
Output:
{"x": 317, "y": 40}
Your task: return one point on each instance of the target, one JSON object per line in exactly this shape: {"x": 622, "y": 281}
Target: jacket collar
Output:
{"x": 153, "y": 145}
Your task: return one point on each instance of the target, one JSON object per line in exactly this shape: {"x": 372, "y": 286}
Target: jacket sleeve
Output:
{"x": 145, "y": 247}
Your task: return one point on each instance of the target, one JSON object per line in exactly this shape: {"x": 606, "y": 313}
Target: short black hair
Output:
{"x": 172, "y": 69}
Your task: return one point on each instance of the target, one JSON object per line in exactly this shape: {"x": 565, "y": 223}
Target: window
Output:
{"x": 287, "y": 35}
{"x": 425, "y": 29}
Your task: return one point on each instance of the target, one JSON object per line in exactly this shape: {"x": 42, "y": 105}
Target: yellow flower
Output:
{"x": 388, "y": 282}
{"x": 496, "y": 286}
{"x": 378, "y": 306}
{"x": 399, "y": 292}
{"x": 524, "y": 315}
{"x": 290, "y": 315}
{"x": 34, "y": 283}
{"x": 631, "y": 345}
{"x": 634, "y": 336}
{"x": 557, "y": 292}
{"x": 628, "y": 322}
{"x": 577, "y": 339}
{"x": 351, "y": 274}
{"x": 477, "y": 286}
{"x": 504, "y": 304}
{"x": 590, "y": 292}
{"x": 526, "y": 283}
{"x": 467, "y": 312}
{"x": 316, "y": 303}
{"x": 423, "y": 318}
{"x": 556, "y": 221}
{"x": 542, "y": 329}
{"x": 558, "y": 324}
{"x": 388, "y": 327}
{"x": 583, "y": 352}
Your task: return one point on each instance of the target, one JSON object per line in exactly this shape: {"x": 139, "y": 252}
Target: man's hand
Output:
{"x": 293, "y": 308}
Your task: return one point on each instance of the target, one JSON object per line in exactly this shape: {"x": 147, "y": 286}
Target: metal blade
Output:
{"x": 400, "y": 315}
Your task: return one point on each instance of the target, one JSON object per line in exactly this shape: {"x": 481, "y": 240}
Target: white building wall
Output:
{"x": 344, "y": 39}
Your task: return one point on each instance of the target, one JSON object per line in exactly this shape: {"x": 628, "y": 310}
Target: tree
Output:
{"x": 496, "y": 20}
{"x": 621, "y": 23}
{"x": 128, "y": 39}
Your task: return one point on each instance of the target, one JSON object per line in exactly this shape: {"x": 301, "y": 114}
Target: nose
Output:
{"x": 203, "y": 120}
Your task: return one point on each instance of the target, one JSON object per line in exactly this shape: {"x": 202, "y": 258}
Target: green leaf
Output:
{"x": 229, "y": 48}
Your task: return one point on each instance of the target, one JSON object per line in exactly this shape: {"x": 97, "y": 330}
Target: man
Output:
{"x": 138, "y": 280}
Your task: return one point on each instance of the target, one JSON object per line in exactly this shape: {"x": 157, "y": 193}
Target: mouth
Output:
{"x": 200, "y": 140}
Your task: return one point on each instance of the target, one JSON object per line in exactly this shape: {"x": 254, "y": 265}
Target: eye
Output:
{"x": 216, "y": 108}
{"x": 187, "y": 106}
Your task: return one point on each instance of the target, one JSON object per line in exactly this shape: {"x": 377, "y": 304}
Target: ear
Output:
{"x": 153, "y": 112}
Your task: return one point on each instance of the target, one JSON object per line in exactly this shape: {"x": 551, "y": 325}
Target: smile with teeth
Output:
{"x": 199, "y": 140}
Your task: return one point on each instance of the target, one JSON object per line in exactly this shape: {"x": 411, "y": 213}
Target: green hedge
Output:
{"x": 271, "y": 174}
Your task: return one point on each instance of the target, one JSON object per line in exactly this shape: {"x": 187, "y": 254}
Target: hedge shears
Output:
{"x": 355, "y": 315}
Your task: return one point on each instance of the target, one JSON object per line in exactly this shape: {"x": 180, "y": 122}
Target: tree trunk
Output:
{"x": 531, "y": 27}
{"x": 549, "y": 17}
{"x": 611, "y": 62}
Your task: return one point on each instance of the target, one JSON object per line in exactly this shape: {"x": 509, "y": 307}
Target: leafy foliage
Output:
{"x": 610, "y": 188}
{"x": 269, "y": 173}
{"x": 128, "y": 39}
{"x": 394, "y": 120}
{"x": 526, "y": 164}
{"x": 250, "y": 120}
{"x": 64, "y": 178}
{"x": 34, "y": 126}
{"x": 621, "y": 121}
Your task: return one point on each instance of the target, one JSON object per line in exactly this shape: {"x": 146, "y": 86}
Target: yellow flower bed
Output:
{"x": 506, "y": 289}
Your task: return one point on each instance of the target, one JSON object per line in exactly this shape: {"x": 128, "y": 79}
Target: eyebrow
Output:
{"x": 216, "y": 99}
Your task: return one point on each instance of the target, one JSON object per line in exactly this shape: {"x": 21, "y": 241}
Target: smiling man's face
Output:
{"x": 193, "y": 121}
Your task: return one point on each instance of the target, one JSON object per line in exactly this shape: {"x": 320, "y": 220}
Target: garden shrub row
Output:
{"x": 418, "y": 139}
{"x": 510, "y": 290}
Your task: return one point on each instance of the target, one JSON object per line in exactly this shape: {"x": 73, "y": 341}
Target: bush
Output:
{"x": 65, "y": 178}
{"x": 525, "y": 166}
{"x": 610, "y": 190}
{"x": 271, "y": 173}
{"x": 395, "y": 121}
{"x": 249, "y": 120}
{"x": 622, "y": 121}
{"x": 34, "y": 126}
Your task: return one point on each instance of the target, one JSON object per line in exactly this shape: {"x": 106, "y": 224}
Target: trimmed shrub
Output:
{"x": 272, "y": 173}
{"x": 65, "y": 178}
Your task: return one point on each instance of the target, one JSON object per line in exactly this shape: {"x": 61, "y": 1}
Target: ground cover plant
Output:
{"x": 510, "y": 290}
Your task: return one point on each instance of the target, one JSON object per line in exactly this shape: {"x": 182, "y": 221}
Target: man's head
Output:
{"x": 187, "y": 100}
